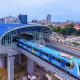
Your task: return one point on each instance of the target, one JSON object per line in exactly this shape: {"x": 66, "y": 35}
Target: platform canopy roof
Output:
{"x": 7, "y": 27}
{"x": 9, "y": 31}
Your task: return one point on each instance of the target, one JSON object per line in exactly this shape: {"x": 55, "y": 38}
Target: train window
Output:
{"x": 56, "y": 59}
{"x": 63, "y": 63}
{"x": 29, "y": 46}
{"x": 20, "y": 44}
{"x": 37, "y": 50}
{"x": 50, "y": 56}
{"x": 45, "y": 54}
{"x": 68, "y": 65}
{"x": 79, "y": 68}
{"x": 34, "y": 48}
{"x": 26, "y": 45}
{"x": 40, "y": 51}
{"x": 53, "y": 57}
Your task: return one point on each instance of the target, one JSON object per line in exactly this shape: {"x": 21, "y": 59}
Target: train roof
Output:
{"x": 48, "y": 50}
{"x": 58, "y": 53}
{"x": 76, "y": 60}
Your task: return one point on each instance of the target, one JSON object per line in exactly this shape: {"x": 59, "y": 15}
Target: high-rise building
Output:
{"x": 34, "y": 21}
{"x": 10, "y": 19}
{"x": 22, "y": 19}
{"x": 2, "y": 20}
{"x": 48, "y": 19}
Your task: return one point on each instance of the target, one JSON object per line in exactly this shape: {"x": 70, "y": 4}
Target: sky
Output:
{"x": 61, "y": 10}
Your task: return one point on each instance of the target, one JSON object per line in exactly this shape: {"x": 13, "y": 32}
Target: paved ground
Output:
{"x": 40, "y": 73}
{"x": 3, "y": 74}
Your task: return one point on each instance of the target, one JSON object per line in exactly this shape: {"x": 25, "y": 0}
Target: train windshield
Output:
{"x": 79, "y": 68}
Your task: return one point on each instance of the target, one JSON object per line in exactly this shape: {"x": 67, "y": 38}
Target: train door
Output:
{"x": 63, "y": 63}
{"x": 50, "y": 57}
{"x": 41, "y": 53}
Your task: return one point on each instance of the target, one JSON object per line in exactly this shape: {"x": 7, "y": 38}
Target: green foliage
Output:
{"x": 78, "y": 32}
{"x": 56, "y": 29}
{"x": 67, "y": 30}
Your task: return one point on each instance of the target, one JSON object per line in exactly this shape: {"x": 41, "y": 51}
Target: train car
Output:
{"x": 63, "y": 61}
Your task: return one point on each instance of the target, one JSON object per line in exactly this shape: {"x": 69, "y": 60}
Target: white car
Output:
{"x": 33, "y": 77}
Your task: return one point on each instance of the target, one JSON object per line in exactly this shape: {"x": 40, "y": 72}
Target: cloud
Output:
{"x": 40, "y": 8}
{"x": 24, "y": 2}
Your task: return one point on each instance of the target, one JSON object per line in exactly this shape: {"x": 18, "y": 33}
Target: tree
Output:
{"x": 56, "y": 29}
{"x": 50, "y": 26}
{"x": 68, "y": 30}
{"x": 78, "y": 32}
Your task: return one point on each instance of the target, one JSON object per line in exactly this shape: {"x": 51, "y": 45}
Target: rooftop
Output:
{"x": 6, "y": 27}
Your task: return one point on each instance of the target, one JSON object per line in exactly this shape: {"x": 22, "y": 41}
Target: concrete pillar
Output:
{"x": 10, "y": 66}
{"x": 20, "y": 59}
{"x": 30, "y": 66}
{"x": 2, "y": 62}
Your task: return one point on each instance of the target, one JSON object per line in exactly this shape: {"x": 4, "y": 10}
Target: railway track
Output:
{"x": 66, "y": 52}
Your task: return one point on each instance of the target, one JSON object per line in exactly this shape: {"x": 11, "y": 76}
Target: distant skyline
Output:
{"x": 61, "y": 10}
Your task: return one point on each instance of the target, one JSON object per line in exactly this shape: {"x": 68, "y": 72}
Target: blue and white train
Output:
{"x": 68, "y": 63}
